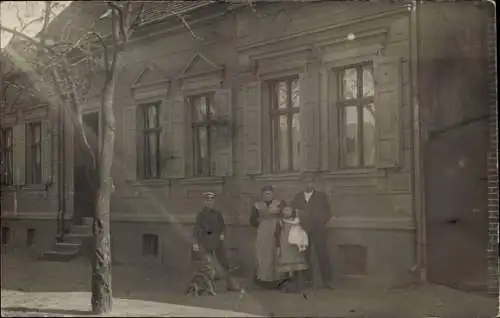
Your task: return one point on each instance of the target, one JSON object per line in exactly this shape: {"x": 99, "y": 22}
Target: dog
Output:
{"x": 203, "y": 280}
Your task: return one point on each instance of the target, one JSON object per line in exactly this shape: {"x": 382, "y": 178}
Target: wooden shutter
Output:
{"x": 222, "y": 158}
{"x": 309, "y": 120}
{"x": 387, "y": 73}
{"x": 333, "y": 115}
{"x": 19, "y": 163}
{"x": 131, "y": 143}
{"x": 164, "y": 134}
{"x": 176, "y": 151}
{"x": 251, "y": 95}
{"x": 46, "y": 153}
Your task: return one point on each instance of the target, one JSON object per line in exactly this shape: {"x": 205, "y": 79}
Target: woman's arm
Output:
{"x": 277, "y": 235}
{"x": 254, "y": 217}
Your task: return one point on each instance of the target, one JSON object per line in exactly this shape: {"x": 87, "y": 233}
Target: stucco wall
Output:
{"x": 371, "y": 207}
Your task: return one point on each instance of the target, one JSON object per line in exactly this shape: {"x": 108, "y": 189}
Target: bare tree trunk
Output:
{"x": 101, "y": 263}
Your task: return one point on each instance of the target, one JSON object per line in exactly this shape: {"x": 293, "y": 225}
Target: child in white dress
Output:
{"x": 291, "y": 243}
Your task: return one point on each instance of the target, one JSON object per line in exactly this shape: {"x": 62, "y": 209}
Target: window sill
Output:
{"x": 9, "y": 188}
{"x": 289, "y": 176}
{"x": 164, "y": 182}
{"x": 355, "y": 173}
{"x": 148, "y": 182}
{"x": 35, "y": 187}
{"x": 202, "y": 180}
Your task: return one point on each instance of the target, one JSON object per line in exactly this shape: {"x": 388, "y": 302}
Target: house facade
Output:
{"x": 251, "y": 98}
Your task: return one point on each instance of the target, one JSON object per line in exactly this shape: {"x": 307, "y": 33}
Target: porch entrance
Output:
{"x": 456, "y": 206}
{"x": 86, "y": 177}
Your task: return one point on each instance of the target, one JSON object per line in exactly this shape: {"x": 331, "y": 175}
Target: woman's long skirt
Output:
{"x": 265, "y": 251}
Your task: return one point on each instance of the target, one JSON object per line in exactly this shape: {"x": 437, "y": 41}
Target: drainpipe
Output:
{"x": 418, "y": 201}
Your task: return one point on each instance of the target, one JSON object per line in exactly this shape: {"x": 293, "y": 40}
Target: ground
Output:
{"x": 32, "y": 288}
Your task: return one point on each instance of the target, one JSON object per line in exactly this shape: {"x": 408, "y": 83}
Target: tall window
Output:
{"x": 357, "y": 115}
{"x": 150, "y": 130}
{"x": 7, "y": 157}
{"x": 203, "y": 113}
{"x": 285, "y": 127}
{"x": 34, "y": 153}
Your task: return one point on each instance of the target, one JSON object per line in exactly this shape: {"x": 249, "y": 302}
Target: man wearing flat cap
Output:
{"x": 209, "y": 232}
{"x": 314, "y": 214}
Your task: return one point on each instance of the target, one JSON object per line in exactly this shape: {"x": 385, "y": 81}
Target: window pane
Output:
{"x": 200, "y": 108}
{"x": 282, "y": 94}
{"x": 368, "y": 87}
{"x": 295, "y": 93}
{"x": 369, "y": 135}
{"x": 152, "y": 163}
{"x": 296, "y": 141}
{"x": 351, "y": 136}
{"x": 152, "y": 116}
{"x": 350, "y": 84}
{"x": 211, "y": 106}
{"x": 202, "y": 150}
{"x": 283, "y": 150}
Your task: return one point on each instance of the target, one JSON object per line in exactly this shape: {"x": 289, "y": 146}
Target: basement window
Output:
{"x": 150, "y": 245}
{"x": 30, "y": 237}
{"x": 5, "y": 235}
{"x": 353, "y": 259}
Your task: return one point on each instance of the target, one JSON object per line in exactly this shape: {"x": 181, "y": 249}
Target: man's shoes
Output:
{"x": 231, "y": 285}
{"x": 328, "y": 285}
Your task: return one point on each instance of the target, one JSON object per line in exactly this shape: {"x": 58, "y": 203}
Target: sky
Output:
{"x": 11, "y": 12}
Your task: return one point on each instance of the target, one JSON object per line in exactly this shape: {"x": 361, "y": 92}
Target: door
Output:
{"x": 456, "y": 206}
{"x": 86, "y": 175}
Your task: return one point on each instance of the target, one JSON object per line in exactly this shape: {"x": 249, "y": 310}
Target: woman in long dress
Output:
{"x": 264, "y": 216}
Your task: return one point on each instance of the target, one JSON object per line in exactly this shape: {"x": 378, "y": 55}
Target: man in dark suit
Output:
{"x": 209, "y": 233}
{"x": 314, "y": 214}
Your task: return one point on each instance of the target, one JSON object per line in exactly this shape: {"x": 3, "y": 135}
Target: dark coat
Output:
{"x": 208, "y": 228}
{"x": 313, "y": 214}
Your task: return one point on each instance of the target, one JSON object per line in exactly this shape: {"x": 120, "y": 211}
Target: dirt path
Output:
{"x": 23, "y": 279}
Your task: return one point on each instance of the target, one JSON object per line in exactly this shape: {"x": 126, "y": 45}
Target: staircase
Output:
{"x": 75, "y": 243}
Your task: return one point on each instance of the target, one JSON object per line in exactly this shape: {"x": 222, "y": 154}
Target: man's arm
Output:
{"x": 197, "y": 231}
{"x": 325, "y": 208}
{"x": 222, "y": 225}
{"x": 254, "y": 217}
{"x": 296, "y": 200}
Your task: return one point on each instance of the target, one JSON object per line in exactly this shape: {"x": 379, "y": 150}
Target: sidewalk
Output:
{"x": 76, "y": 304}
{"x": 65, "y": 286}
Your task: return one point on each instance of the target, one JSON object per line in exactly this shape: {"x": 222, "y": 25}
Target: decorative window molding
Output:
{"x": 200, "y": 75}
{"x": 150, "y": 84}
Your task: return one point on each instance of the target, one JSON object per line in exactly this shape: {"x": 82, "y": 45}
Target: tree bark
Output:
{"x": 101, "y": 262}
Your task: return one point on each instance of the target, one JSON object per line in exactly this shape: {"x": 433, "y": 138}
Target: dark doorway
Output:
{"x": 86, "y": 176}
{"x": 456, "y": 207}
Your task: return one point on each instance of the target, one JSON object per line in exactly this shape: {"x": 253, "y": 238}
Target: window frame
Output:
{"x": 7, "y": 155}
{"x": 145, "y": 133}
{"x": 150, "y": 245}
{"x": 30, "y": 180}
{"x": 360, "y": 103}
{"x": 208, "y": 123}
{"x": 274, "y": 116}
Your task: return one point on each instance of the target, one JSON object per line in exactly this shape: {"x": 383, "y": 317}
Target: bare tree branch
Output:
{"x": 46, "y": 20}
{"x": 137, "y": 16}
{"x": 121, "y": 21}
{"x": 186, "y": 24}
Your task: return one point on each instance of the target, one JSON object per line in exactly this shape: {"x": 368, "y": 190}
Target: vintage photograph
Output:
{"x": 249, "y": 158}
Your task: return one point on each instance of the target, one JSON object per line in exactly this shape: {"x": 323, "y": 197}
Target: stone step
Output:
{"x": 77, "y": 238}
{"x": 88, "y": 221}
{"x": 81, "y": 229}
{"x": 67, "y": 247}
{"x": 60, "y": 256}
